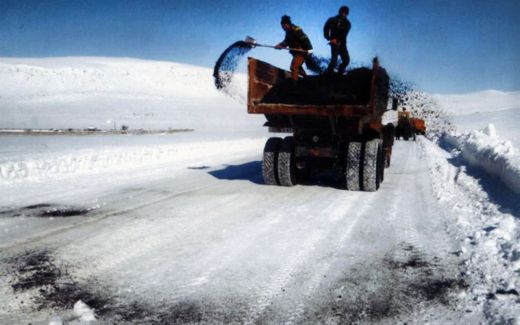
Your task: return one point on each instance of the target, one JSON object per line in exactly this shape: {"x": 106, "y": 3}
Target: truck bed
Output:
{"x": 363, "y": 93}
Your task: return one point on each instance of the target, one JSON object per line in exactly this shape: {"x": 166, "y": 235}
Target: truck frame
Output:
{"x": 349, "y": 139}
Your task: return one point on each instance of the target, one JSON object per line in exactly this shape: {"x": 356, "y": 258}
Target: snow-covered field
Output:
{"x": 79, "y": 92}
{"x": 475, "y": 111}
{"x": 178, "y": 228}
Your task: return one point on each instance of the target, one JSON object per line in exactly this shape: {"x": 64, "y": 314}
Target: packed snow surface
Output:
{"x": 179, "y": 228}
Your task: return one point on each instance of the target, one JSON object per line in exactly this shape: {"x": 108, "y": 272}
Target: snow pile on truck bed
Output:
{"x": 353, "y": 88}
{"x": 485, "y": 150}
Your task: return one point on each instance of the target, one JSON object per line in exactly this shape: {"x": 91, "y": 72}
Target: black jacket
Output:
{"x": 296, "y": 38}
{"x": 337, "y": 28}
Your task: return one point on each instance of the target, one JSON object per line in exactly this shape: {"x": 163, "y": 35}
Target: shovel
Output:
{"x": 252, "y": 42}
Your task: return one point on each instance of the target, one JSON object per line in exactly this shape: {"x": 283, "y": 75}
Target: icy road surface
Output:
{"x": 207, "y": 242}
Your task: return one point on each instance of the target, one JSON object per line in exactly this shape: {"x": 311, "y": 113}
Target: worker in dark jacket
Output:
{"x": 295, "y": 38}
{"x": 335, "y": 31}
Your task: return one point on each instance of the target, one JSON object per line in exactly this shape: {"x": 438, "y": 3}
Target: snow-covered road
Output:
{"x": 211, "y": 243}
{"x": 179, "y": 228}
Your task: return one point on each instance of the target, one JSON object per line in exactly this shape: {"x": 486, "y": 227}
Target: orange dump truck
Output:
{"x": 339, "y": 131}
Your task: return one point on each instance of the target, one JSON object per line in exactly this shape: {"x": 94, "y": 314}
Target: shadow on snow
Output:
{"x": 251, "y": 171}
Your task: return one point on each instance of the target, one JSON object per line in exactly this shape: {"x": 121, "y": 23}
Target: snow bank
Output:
{"x": 485, "y": 150}
{"x": 488, "y": 238}
{"x": 119, "y": 159}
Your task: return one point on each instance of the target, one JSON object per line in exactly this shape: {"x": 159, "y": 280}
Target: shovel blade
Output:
{"x": 251, "y": 41}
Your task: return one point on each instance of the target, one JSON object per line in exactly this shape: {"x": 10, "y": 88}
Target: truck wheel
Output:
{"x": 286, "y": 164}
{"x": 353, "y": 164}
{"x": 371, "y": 172}
{"x": 270, "y": 161}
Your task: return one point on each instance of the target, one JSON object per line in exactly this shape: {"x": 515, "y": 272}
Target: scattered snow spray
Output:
{"x": 421, "y": 105}
{"x": 227, "y": 64}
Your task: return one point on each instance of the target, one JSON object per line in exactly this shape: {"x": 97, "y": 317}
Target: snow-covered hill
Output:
{"x": 474, "y": 111}
{"x": 479, "y": 102}
{"x": 77, "y": 92}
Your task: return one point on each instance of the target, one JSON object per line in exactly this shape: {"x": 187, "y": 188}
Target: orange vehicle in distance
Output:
{"x": 419, "y": 125}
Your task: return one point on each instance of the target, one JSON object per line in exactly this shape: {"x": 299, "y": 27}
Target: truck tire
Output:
{"x": 371, "y": 172}
{"x": 353, "y": 167}
{"x": 270, "y": 161}
{"x": 286, "y": 163}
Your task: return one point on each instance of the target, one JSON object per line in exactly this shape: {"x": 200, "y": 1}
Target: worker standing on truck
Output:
{"x": 335, "y": 31}
{"x": 295, "y": 38}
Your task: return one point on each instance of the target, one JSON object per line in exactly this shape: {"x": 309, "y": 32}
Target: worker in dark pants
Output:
{"x": 335, "y": 31}
{"x": 295, "y": 38}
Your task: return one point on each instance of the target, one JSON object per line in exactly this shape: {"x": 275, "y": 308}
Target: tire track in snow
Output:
{"x": 284, "y": 275}
{"x": 96, "y": 219}
{"x": 317, "y": 278}
{"x": 243, "y": 242}
{"x": 313, "y": 284}
{"x": 397, "y": 199}
{"x": 225, "y": 254}
{"x": 396, "y": 211}
{"x": 139, "y": 240}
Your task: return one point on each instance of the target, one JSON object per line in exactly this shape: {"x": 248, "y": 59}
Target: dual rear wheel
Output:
{"x": 364, "y": 164}
{"x": 278, "y": 165}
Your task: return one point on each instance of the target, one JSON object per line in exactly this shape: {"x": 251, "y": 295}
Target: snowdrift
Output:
{"x": 119, "y": 159}
{"x": 483, "y": 149}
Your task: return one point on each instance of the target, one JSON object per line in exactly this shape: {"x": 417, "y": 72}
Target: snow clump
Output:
{"x": 84, "y": 312}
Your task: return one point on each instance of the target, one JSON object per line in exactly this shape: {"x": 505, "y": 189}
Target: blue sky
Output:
{"x": 443, "y": 46}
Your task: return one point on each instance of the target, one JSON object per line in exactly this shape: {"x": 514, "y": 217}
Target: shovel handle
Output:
{"x": 283, "y": 48}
